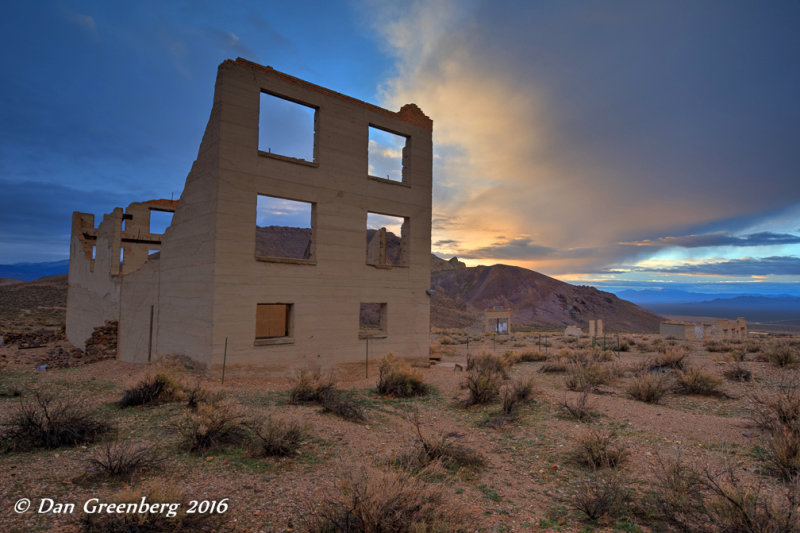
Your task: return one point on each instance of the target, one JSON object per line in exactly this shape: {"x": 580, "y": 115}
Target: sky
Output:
{"x": 620, "y": 144}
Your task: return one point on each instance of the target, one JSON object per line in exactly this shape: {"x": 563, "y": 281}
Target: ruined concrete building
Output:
{"x": 721, "y": 329}
{"x": 225, "y": 281}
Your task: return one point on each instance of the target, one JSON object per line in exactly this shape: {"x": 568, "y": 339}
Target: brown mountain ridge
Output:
{"x": 536, "y": 301}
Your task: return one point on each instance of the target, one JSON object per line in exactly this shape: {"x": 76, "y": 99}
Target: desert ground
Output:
{"x": 516, "y": 433}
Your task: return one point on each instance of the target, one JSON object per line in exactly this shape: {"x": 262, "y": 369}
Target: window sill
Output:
{"x": 289, "y": 260}
{"x": 386, "y": 267}
{"x": 362, "y": 335}
{"x": 389, "y": 182}
{"x": 288, "y": 159}
{"x": 273, "y": 340}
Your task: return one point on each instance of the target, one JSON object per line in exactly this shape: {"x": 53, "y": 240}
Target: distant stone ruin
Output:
{"x": 573, "y": 331}
{"x": 498, "y": 320}
{"x": 721, "y": 329}
{"x": 595, "y": 328}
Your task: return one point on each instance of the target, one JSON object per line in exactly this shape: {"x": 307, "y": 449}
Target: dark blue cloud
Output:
{"x": 764, "y": 238}
{"x": 519, "y": 249}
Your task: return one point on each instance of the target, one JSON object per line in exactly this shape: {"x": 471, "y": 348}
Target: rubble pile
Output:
{"x": 103, "y": 342}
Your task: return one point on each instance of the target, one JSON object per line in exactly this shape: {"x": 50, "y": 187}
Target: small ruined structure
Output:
{"x": 498, "y": 320}
{"x": 596, "y": 328}
{"x": 219, "y": 285}
{"x": 573, "y": 331}
{"x": 722, "y": 329}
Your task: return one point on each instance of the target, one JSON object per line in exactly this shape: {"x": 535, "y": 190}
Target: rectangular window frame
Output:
{"x": 405, "y": 180}
{"x": 382, "y": 331}
{"x": 289, "y": 159}
{"x": 312, "y": 259}
{"x": 405, "y": 239}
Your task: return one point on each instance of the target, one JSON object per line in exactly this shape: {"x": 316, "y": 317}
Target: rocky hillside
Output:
{"x": 32, "y": 305}
{"x": 536, "y": 300}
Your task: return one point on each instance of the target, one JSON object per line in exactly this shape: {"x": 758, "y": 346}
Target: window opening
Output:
{"x": 286, "y": 128}
{"x": 372, "y": 320}
{"x": 386, "y": 155}
{"x": 387, "y": 240}
{"x": 284, "y": 228}
{"x": 160, "y": 221}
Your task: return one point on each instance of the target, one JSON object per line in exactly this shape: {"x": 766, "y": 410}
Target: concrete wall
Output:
{"x": 93, "y": 291}
{"x": 678, "y": 331}
{"x": 207, "y": 281}
{"x": 326, "y": 292}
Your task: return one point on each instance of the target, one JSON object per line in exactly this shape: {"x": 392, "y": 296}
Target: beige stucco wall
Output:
{"x": 326, "y": 296}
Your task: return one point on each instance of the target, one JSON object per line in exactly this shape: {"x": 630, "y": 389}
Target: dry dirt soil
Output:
{"x": 531, "y": 475}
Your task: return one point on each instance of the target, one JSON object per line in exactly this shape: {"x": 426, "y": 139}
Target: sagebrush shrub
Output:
{"x": 696, "y": 381}
{"x": 277, "y": 437}
{"x": 121, "y": 459}
{"x": 397, "y": 378}
{"x": 212, "y": 426}
{"x": 648, "y": 388}
{"x": 155, "y": 388}
{"x": 43, "y": 420}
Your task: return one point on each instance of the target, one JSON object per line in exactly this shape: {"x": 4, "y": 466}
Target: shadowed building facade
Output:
{"x": 220, "y": 285}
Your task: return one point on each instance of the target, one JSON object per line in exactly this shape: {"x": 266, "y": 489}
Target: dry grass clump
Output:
{"x": 213, "y": 426}
{"x": 170, "y": 515}
{"x": 487, "y": 362}
{"x": 602, "y": 496}
{"x": 338, "y": 403}
{"x": 648, "y": 388}
{"x": 737, "y": 372}
{"x": 554, "y": 365}
{"x": 580, "y": 409}
{"x": 438, "y": 450}
{"x": 779, "y": 413}
{"x": 672, "y": 357}
{"x": 782, "y": 354}
{"x": 374, "y": 501}
{"x": 512, "y": 396}
{"x": 531, "y": 356}
{"x": 153, "y": 389}
{"x": 483, "y": 384}
{"x": 398, "y": 379}
{"x": 517, "y": 392}
{"x": 121, "y": 459}
{"x": 278, "y": 437}
{"x": 714, "y": 346}
{"x": 774, "y": 410}
{"x": 693, "y": 380}
{"x": 309, "y": 385}
{"x": 43, "y": 420}
{"x": 598, "y": 449}
{"x": 688, "y": 498}
{"x": 581, "y": 376}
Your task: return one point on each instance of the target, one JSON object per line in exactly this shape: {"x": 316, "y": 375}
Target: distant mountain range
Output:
{"x": 32, "y": 271}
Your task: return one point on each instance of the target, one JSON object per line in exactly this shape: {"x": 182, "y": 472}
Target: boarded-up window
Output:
{"x": 272, "y": 320}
